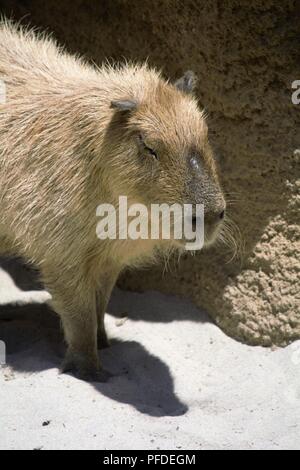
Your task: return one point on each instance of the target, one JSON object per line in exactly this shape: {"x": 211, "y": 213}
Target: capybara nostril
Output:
{"x": 222, "y": 215}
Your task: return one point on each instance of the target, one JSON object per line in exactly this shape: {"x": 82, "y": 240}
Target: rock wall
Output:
{"x": 246, "y": 55}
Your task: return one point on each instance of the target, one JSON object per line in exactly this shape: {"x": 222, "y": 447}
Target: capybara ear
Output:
{"x": 124, "y": 105}
{"x": 187, "y": 83}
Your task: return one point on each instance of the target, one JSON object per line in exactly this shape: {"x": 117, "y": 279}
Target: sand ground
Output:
{"x": 179, "y": 382}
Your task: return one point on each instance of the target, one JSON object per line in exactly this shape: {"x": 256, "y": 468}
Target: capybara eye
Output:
{"x": 146, "y": 147}
{"x": 152, "y": 152}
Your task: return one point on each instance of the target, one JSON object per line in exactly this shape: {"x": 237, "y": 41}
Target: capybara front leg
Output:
{"x": 105, "y": 287}
{"x": 76, "y": 306}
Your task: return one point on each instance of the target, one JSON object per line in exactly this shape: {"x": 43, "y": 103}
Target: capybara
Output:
{"x": 73, "y": 136}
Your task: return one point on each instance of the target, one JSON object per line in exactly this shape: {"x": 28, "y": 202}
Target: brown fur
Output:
{"x": 64, "y": 150}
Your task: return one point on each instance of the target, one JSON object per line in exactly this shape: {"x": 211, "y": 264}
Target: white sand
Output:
{"x": 179, "y": 382}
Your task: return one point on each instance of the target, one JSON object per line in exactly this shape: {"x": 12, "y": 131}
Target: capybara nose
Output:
{"x": 216, "y": 215}
{"x": 221, "y": 211}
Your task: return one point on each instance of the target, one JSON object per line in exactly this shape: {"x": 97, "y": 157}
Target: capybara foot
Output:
{"x": 83, "y": 368}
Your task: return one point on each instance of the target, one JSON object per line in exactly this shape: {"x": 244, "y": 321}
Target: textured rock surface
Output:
{"x": 246, "y": 55}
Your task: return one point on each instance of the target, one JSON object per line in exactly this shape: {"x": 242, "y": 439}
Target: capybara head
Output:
{"x": 159, "y": 133}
